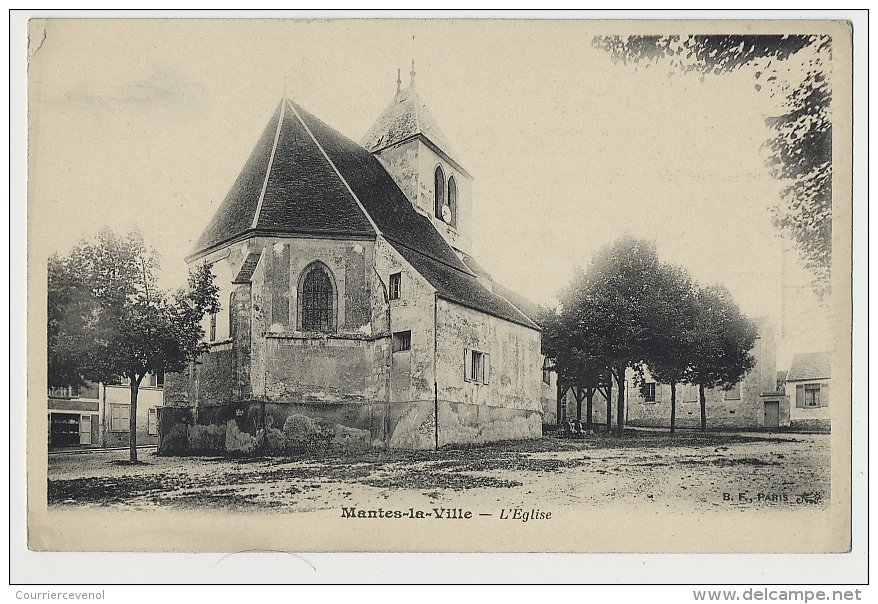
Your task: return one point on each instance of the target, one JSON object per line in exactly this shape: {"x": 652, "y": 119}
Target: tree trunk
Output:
{"x": 620, "y": 407}
{"x": 132, "y": 421}
{"x": 673, "y": 406}
{"x": 609, "y": 405}
{"x": 589, "y": 394}
{"x": 703, "y": 408}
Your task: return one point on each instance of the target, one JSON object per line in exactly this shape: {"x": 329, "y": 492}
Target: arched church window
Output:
{"x": 452, "y": 199}
{"x": 317, "y": 299}
{"x": 438, "y": 191}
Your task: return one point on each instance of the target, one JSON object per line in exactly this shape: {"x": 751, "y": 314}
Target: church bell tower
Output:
{"x": 414, "y": 150}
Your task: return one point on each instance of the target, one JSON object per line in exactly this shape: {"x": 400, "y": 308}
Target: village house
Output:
{"x": 353, "y": 309}
{"x": 97, "y": 414}
{"x": 807, "y": 382}
{"x": 755, "y": 402}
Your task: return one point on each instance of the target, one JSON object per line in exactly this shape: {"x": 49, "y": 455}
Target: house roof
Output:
{"x": 303, "y": 177}
{"x": 810, "y": 366}
{"x": 405, "y": 117}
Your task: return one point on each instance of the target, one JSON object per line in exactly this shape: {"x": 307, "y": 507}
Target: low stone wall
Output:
{"x": 264, "y": 428}
{"x": 461, "y": 423}
{"x": 810, "y": 425}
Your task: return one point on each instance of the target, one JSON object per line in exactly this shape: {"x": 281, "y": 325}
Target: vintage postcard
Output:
{"x": 439, "y": 285}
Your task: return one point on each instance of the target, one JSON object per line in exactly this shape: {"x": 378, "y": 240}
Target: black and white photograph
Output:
{"x": 439, "y": 285}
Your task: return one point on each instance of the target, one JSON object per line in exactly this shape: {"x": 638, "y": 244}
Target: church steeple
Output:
{"x": 414, "y": 150}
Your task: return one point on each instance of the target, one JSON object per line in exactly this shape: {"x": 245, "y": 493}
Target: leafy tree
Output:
{"x": 672, "y": 348}
{"x": 723, "y": 340}
{"x": 801, "y": 148}
{"x": 570, "y": 363}
{"x": 611, "y": 311}
{"x": 108, "y": 318}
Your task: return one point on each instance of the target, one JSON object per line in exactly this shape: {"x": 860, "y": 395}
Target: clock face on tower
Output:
{"x": 446, "y": 214}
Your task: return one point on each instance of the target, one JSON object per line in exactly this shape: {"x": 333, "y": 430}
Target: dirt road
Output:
{"x": 645, "y": 467}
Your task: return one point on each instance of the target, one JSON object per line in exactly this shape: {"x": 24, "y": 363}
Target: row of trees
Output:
{"x": 628, "y": 310}
{"x": 107, "y": 317}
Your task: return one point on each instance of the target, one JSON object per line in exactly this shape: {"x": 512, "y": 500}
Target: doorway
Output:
{"x": 64, "y": 429}
{"x": 772, "y": 414}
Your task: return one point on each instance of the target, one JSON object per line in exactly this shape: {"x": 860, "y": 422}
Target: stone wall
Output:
{"x": 514, "y": 372}
{"x": 258, "y": 427}
{"x": 741, "y": 407}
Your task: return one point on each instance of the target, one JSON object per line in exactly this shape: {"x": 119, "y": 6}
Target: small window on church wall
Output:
{"x": 476, "y": 366}
{"x": 402, "y": 341}
{"x": 317, "y": 296}
{"x": 395, "y": 286}
{"x": 439, "y": 191}
{"x": 452, "y": 199}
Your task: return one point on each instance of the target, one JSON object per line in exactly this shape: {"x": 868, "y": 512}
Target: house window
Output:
{"x": 547, "y": 377}
{"x": 476, "y": 366}
{"x": 212, "y": 333}
{"x": 452, "y": 199}
{"x": 812, "y": 395}
{"x": 119, "y": 418}
{"x": 438, "y": 191}
{"x": 317, "y": 299}
{"x": 734, "y": 393}
{"x": 155, "y": 379}
{"x": 153, "y": 427}
{"x": 648, "y": 392}
{"x": 402, "y": 340}
{"x": 395, "y": 286}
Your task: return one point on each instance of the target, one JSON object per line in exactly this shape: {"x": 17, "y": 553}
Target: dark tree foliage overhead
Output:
{"x": 801, "y": 147}
{"x": 107, "y": 318}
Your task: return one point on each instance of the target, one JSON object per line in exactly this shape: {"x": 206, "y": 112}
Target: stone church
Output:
{"x": 353, "y": 310}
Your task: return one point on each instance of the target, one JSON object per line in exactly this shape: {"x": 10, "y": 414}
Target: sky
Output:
{"x": 147, "y": 123}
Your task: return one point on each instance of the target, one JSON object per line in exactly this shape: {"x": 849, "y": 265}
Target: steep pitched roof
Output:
{"x": 529, "y": 308}
{"x": 287, "y": 186}
{"x": 810, "y": 366}
{"x": 405, "y": 117}
{"x": 309, "y": 179}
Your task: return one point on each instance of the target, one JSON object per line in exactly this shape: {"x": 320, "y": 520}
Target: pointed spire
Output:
{"x": 398, "y": 80}
{"x": 412, "y": 73}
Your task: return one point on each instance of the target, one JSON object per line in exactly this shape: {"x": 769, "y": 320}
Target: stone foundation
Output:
{"x": 262, "y": 428}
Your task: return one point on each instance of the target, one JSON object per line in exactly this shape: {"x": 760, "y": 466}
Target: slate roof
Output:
{"x": 246, "y": 272}
{"x": 810, "y": 366}
{"x": 530, "y": 309}
{"x": 303, "y": 177}
{"x": 286, "y": 186}
{"x": 474, "y": 266}
{"x": 405, "y": 117}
